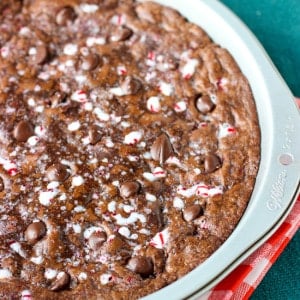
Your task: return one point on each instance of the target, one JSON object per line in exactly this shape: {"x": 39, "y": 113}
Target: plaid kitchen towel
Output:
{"x": 241, "y": 283}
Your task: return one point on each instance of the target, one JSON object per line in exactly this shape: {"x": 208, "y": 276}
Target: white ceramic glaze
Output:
{"x": 277, "y": 184}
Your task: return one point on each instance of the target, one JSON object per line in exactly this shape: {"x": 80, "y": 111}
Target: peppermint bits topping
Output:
{"x": 133, "y": 137}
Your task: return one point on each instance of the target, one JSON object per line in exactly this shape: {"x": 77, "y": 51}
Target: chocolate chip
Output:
{"x": 141, "y": 265}
{"x": 61, "y": 282}
{"x": 22, "y": 131}
{"x": 90, "y": 62}
{"x": 95, "y": 135}
{"x": 41, "y": 55}
{"x": 131, "y": 85}
{"x": 34, "y": 232}
{"x": 120, "y": 34}
{"x": 162, "y": 148}
{"x": 57, "y": 172}
{"x": 1, "y": 184}
{"x": 129, "y": 189}
{"x": 65, "y": 15}
{"x": 96, "y": 240}
{"x": 204, "y": 104}
{"x": 192, "y": 212}
{"x": 211, "y": 163}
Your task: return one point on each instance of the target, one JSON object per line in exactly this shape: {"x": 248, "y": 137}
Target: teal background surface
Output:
{"x": 276, "y": 24}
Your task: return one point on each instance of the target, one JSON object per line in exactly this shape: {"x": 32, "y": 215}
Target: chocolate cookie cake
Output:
{"x": 129, "y": 148}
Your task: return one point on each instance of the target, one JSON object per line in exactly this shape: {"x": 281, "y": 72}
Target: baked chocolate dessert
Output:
{"x": 129, "y": 148}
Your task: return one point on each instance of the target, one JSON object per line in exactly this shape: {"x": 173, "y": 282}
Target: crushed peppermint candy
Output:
{"x": 101, "y": 115}
{"x": 200, "y": 189}
{"x": 70, "y": 49}
{"x": 47, "y": 197}
{"x": 77, "y": 181}
{"x": 178, "y": 203}
{"x": 159, "y": 172}
{"x": 26, "y": 295}
{"x": 121, "y": 70}
{"x": 9, "y": 166}
{"x": 166, "y": 88}
{"x": 74, "y": 126}
{"x": 133, "y": 218}
{"x": 189, "y": 69}
{"x": 153, "y": 104}
{"x": 89, "y": 8}
{"x": 160, "y": 240}
{"x": 79, "y": 96}
{"x": 133, "y": 137}
{"x": 5, "y": 274}
{"x": 180, "y": 106}
{"x": 150, "y": 197}
{"x": 119, "y": 19}
{"x": 50, "y": 273}
{"x": 33, "y": 140}
{"x": 225, "y": 130}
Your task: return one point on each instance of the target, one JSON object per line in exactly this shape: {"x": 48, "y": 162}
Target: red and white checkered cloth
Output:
{"x": 241, "y": 282}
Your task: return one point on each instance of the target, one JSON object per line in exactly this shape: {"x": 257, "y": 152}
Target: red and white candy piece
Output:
{"x": 133, "y": 137}
{"x": 91, "y": 41}
{"x": 26, "y": 295}
{"x": 153, "y": 104}
{"x": 101, "y": 115}
{"x": 46, "y": 197}
{"x": 221, "y": 83}
{"x": 165, "y": 88}
{"x": 160, "y": 240}
{"x": 119, "y": 19}
{"x": 4, "y": 52}
{"x": 201, "y": 190}
{"x": 180, "y": 106}
{"x": 189, "y": 69}
{"x": 9, "y": 166}
{"x": 70, "y": 49}
{"x": 159, "y": 172}
{"x": 121, "y": 70}
{"x": 79, "y": 96}
{"x": 89, "y": 8}
{"x": 225, "y": 130}
{"x": 33, "y": 140}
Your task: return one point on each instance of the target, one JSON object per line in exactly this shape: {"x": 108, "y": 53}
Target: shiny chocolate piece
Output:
{"x": 131, "y": 85}
{"x": 129, "y": 189}
{"x": 65, "y": 16}
{"x": 41, "y": 55}
{"x": 90, "y": 62}
{"x": 162, "y": 148}
{"x": 57, "y": 172}
{"x": 95, "y": 135}
{"x": 192, "y": 212}
{"x": 61, "y": 282}
{"x": 204, "y": 104}
{"x": 34, "y": 232}
{"x": 96, "y": 240}
{"x": 212, "y": 162}
{"x": 23, "y": 130}
{"x": 1, "y": 184}
{"x": 121, "y": 34}
{"x": 141, "y": 265}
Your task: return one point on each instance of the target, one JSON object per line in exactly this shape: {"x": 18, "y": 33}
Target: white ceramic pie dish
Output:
{"x": 278, "y": 178}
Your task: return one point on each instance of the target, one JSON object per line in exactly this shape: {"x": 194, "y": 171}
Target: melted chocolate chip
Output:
{"x": 129, "y": 189}
{"x": 131, "y": 85}
{"x": 61, "y": 282}
{"x": 204, "y": 104}
{"x": 57, "y": 172}
{"x": 141, "y": 265}
{"x": 211, "y": 163}
{"x": 162, "y": 148}
{"x": 41, "y": 55}
{"x": 90, "y": 62}
{"x": 120, "y": 34}
{"x": 95, "y": 135}
{"x": 34, "y": 232}
{"x": 22, "y": 131}
{"x": 192, "y": 212}
{"x": 96, "y": 240}
{"x": 65, "y": 15}
{"x": 1, "y": 185}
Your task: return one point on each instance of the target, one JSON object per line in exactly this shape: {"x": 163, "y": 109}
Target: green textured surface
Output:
{"x": 276, "y": 23}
